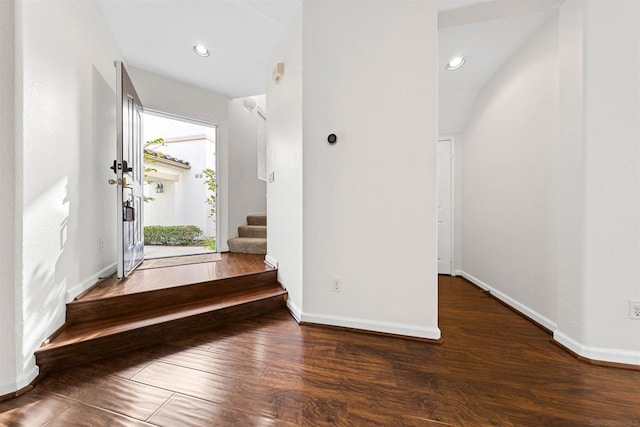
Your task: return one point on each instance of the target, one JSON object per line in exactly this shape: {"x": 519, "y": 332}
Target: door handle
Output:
{"x": 120, "y": 166}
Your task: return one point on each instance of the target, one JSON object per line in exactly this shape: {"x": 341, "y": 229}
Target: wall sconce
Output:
{"x": 159, "y": 188}
{"x": 249, "y": 103}
{"x": 278, "y": 71}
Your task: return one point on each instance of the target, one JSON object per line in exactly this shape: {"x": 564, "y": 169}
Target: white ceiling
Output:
{"x": 486, "y": 43}
{"x": 158, "y": 36}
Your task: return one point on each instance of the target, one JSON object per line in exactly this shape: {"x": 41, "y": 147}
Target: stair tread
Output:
{"x": 257, "y": 219}
{"x": 248, "y": 239}
{"x": 81, "y": 332}
{"x": 254, "y": 245}
{"x": 257, "y": 231}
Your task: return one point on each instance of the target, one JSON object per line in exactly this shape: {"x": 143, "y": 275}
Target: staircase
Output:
{"x": 252, "y": 238}
{"x": 104, "y": 327}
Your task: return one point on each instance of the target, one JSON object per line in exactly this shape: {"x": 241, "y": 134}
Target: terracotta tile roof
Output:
{"x": 159, "y": 155}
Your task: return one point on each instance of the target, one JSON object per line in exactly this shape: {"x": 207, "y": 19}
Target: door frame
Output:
{"x": 199, "y": 122}
{"x": 452, "y": 209}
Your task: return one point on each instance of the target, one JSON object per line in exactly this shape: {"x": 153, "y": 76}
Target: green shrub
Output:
{"x": 210, "y": 244}
{"x": 174, "y": 235}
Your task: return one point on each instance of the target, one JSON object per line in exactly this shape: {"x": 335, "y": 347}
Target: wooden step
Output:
{"x": 93, "y": 340}
{"x": 200, "y": 288}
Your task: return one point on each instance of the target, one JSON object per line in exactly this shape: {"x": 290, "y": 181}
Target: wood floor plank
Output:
{"x": 410, "y": 421}
{"x": 34, "y": 408}
{"x": 204, "y": 413}
{"x": 109, "y": 392}
{"x": 289, "y": 405}
{"x": 214, "y": 364}
{"x": 128, "y": 364}
{"x": 87, "y": 416}
{"x": 191, "y": 382}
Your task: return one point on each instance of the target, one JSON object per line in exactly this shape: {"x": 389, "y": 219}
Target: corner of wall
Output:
{"x": 284, "y": 159}
{"x": 10, "y": 227}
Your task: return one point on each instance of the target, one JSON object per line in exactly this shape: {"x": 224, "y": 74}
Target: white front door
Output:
{"x": 129, "y": 170}
{"x": 444, "y": 207}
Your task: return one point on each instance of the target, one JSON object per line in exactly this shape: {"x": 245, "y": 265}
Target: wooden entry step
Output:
{"x": 85, "y": 310}
{"x": 104, "y": 324}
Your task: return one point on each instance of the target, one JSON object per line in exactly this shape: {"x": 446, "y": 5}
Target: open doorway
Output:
{"x": 180, "y": 187}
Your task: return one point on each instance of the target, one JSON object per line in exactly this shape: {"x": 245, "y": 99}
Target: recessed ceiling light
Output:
{"x": 201, "y": 50}
{"x": 455, "y": 63}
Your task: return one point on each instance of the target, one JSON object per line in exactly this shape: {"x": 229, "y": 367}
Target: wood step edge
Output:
{"x": 103, "y": 328}
{"x": 122, "y": 305}
{"x": 186, "y": 285}
{"x": 113, "y": 345}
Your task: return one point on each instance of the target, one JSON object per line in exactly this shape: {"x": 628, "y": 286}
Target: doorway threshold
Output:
{"x": 153, "y": 251}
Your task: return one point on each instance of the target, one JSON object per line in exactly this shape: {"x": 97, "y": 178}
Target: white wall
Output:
{"x": 284, "y": 158}
{"x": 369, "y": 76}
{"x": 550, "y": 180}
{"x": 612, "y": 113}
{"x": 171, "y": 96}
{"x": 572, "y": 174}
{"x": 600, "y": 200}
{"x": 65, "y": 81}
{"x": 247, "y": 194}
{"x": 510, "y": 151}
{"x": 8, "y": 320}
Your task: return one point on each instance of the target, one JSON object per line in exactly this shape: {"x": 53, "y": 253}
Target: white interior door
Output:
{"x": 444, "y": 207}
{"x": 129, "y": 170}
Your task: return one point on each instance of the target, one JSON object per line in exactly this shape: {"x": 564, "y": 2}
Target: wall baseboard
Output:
{"x": 88, "y": 282}
{"x": 294, "y": 310}
{"x": 458, "y": 273}
{"x": 271, "y": 261}
{"x": 373, "y": 326}
{"x": 11, "y": 388}
{"x": 521, "y": 308}
{"x": 595, "y": 355}
{"x": 598, "y": 355}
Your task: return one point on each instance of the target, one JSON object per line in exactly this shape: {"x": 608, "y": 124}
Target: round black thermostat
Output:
{"x": 332, "y": 138}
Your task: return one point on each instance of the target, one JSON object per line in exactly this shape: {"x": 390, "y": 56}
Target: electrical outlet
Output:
{"x": 335, "y": 285}
{"x": 634, "y": 309}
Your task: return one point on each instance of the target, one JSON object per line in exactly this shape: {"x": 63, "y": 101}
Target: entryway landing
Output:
{"x": 154, "y": 304}
{"x": 193, "y": 269}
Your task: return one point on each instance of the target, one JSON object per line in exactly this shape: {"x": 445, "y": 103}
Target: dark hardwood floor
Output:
{"x": 493, "y": 368}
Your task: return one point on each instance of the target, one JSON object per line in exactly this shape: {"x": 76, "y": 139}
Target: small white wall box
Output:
{"x": 278, "y": 71}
